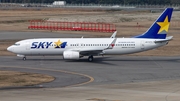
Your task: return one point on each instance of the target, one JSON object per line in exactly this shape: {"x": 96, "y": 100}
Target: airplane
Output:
{"x": 76, "y": 48}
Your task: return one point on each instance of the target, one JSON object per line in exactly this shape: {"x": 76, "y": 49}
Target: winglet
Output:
{"x": 112, "y": 44}
{"x": 114, "y": 35}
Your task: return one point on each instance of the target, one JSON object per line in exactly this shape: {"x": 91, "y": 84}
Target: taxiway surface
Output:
{"x": 108, "y": 78}
{"x": 105, "y": 70}
{"x": 28, "y": 35}
{"x": 112, "y": 78}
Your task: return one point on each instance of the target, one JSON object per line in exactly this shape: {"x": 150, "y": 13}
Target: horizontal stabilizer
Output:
{"x": 167, "y": 39}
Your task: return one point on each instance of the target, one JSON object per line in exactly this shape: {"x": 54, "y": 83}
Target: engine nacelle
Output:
{"x": 71, "y": 55}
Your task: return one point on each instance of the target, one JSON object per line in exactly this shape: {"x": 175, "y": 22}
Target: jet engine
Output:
{"x": 71, "y": 55}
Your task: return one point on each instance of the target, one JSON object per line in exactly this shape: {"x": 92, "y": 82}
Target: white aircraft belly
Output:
{"x": 121, "y": 50}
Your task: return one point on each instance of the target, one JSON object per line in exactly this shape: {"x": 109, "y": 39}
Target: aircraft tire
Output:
{"x": 90, "y": 58}
{"x": 24, "y": 58}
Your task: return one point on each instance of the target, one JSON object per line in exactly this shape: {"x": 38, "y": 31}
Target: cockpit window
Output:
{"x": 17, "y": 44}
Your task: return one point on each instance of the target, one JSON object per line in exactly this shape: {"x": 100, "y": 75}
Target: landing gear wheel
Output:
{"x": 24, "y": 58}
{"x": 90, "y": 58}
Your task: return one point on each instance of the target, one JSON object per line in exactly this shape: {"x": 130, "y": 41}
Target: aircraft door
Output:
{"x": 80, "y": 45}
{"x": 27, "y": 45}
{"x": 142, "y": 45}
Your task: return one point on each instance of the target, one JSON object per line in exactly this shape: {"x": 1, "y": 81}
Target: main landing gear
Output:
{"x": 24, "y": 58}
{"x": 90, "y": 58}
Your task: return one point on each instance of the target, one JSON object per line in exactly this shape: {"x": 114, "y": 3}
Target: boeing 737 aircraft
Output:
{"x": 75, "y": 48}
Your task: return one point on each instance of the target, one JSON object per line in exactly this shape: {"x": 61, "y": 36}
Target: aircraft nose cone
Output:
{"x": 10, "y": 48}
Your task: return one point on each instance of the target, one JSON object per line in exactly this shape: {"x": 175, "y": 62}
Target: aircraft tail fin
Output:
{"x": 159, "y": 28}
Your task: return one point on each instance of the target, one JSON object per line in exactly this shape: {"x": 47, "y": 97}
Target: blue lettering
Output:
{"x": 41, "y": 44}
{"x": 48, "y": 44}
{"x": 63, "y": 45}
{"x": 34, "y": 45}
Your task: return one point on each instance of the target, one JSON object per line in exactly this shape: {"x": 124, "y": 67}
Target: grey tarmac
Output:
{"x": 116, "y": 78}
{"x": 108, "y": 78}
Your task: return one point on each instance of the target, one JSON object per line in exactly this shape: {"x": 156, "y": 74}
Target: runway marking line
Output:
{"x": 62, "y": 71}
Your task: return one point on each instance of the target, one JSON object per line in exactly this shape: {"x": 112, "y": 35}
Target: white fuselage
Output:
{"x": 46, "y": 46}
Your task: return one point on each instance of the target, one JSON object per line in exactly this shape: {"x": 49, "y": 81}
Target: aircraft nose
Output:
{"x": 10, "y": 48}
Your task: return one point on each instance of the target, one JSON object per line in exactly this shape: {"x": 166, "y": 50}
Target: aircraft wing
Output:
{"x": 114, "y": 34}
{"x": 95, "y": 51}
{"x": 91, "y": 52}
{"x": 112, "y": 44}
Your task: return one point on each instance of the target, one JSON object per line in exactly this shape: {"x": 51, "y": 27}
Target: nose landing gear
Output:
{"x": 22, "y": 56}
